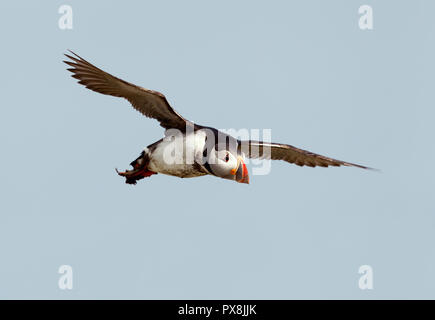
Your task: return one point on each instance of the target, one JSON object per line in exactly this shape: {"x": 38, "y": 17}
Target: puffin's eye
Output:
{"x": 227, "y": 157}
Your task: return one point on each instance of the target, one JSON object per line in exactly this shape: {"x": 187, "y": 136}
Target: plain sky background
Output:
{"x": 301, "y": 68}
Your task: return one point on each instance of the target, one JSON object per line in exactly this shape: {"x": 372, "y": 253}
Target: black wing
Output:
{"x": 150, "y": 103}
{"x": 277, "y": 151}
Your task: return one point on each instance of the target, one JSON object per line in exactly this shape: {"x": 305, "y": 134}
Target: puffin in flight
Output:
{"x": 211, "y": 151}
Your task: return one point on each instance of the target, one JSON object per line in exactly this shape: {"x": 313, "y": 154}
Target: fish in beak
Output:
{"x": 241, "y": 171}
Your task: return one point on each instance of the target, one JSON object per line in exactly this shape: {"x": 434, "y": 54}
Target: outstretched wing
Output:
{"x": 150, "y": 103}
{"x": 277, "y": 151}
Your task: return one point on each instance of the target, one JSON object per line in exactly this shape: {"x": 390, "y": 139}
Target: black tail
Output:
{"x": 140, "y": 169}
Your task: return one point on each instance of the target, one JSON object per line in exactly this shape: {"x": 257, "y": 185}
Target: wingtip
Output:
{"x": 71, "y": 58}
{"x": 364, "y": 167}
{"x": 72, "y": 52}
{"x": 74, "y": 57}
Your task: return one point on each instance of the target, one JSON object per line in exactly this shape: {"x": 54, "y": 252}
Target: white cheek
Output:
{"x": 212, "y": 158}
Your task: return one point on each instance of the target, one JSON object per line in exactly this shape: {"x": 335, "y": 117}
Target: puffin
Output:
{"x": 188, "y": 149}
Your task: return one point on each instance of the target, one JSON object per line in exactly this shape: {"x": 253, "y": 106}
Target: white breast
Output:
{"x": 177, "y": 155}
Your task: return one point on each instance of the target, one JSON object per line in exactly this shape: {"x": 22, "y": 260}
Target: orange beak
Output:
{"x": 241, "y": 172}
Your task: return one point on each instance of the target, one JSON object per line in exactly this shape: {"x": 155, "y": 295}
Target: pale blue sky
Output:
{"x": 301, "y": 68}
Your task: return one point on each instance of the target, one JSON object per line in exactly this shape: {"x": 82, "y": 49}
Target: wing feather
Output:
{"x": 291, "y": 154}
{"x": 150, "y": 103}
